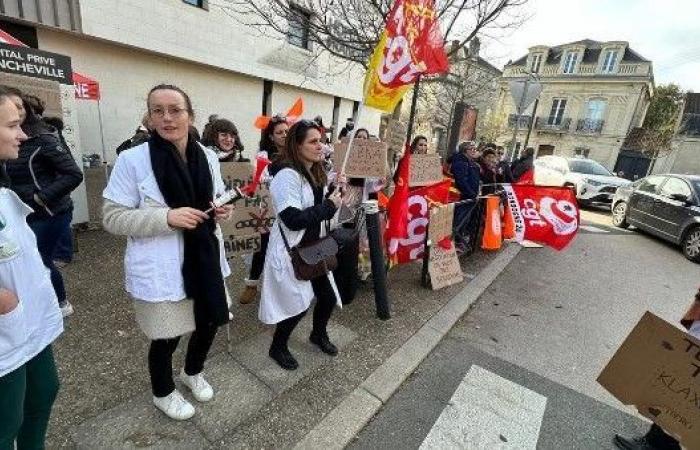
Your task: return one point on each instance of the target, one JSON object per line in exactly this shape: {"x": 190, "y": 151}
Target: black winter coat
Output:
{"x": 45, "y": 168}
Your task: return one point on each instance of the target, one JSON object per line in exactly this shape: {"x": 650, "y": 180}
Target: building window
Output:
{"x": 198, "y": 3}
{"x": 570, "y": 62}
{"x": 299, "y": 27}
{"x": 609, "y": 61}
{"x": 582, "y": 151}
{"x": 595, "y": 110}
{"x": 556, "y": 114}
{"x": 535, "y": 64}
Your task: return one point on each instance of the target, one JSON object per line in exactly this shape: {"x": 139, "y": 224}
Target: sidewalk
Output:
{"x": 104, "y": 400}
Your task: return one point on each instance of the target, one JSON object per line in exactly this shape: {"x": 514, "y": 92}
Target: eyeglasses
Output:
{"x": 278, "y": 118}
{"x": 172, "y": 112}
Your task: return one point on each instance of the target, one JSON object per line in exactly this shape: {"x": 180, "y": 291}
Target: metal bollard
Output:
{"x": 377, "y": 258}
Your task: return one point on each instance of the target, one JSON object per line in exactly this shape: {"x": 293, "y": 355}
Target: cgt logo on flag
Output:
{"x": 542, "y": 214}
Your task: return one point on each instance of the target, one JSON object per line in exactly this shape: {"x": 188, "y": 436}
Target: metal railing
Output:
{"x": 552, "y": 124}
{"x": 524, "y": 121}
{"x": 592, "y": 126}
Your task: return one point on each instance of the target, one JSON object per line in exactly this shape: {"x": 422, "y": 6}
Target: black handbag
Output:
{"x": 314, "y": 259}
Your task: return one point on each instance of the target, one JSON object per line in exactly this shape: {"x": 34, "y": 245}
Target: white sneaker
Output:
{"x": 66, "y": 308}
{"x": 174, "y": 406}
{"x": 201, "y": 390}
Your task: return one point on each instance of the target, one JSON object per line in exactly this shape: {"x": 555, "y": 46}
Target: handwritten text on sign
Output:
{"x": 236, "y": 174}
{"x": 240, "y": 245}
{"x": 440, "y": 223}
{"x": 657, "y": 369}
{"x": 367, "y": 159}
{"x": 444, "y": 267}
{"x": 425, "y": 170}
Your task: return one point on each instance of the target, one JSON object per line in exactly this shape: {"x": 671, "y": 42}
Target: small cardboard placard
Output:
{"x": 367, "y": 159}
{"x": 396, "y": 135}
{"x": 440, "y": 223}
{"x": 443, "y": 267}
{"x": 236, "y": 174}
{"x": 425, "y": 170}
{"x": 657, "y": 370}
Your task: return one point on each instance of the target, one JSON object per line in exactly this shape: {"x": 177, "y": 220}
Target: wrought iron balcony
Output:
{"x": 553, "y": 124}
{"x": 524, "y": 121}
{"x": 592, "y": 126}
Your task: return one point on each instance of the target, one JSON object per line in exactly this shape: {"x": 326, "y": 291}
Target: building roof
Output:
{"x": 590, "y": 55}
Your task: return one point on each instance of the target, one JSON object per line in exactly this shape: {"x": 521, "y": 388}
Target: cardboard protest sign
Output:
{"x": 425, "y": 170}
{"x": 657, "y": 370}
{"x": 367, "y": 159}
{"x": 443, "y": 267}
{"x": 396, "y": 135}
{"x": 440, "y": 225}
{"x": 236, "y": 174}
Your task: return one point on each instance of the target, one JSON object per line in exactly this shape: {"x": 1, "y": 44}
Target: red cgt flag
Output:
{"x": 527, "y": 178}
{"x": 543, "y": 214}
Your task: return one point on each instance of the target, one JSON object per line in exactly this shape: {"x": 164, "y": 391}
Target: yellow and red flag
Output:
{"x": 411, "y": 45}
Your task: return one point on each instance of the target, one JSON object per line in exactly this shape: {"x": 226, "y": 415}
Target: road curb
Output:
{"x": 343, "y": 423}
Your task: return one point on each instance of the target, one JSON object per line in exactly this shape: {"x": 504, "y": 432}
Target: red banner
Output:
{"x": 543, "y": 214}
{"x": 412, "y": 246}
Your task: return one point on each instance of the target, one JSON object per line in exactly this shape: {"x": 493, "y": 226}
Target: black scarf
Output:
{"x": 190, "y": 184}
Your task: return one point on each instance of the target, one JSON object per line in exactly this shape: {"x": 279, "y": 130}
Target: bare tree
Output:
{"x": 350, "y": 29}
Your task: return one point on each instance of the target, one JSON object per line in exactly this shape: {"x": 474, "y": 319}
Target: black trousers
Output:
{"x": 256, "y": 268}
{"x": 660, "y": 440}
{"x": 160, "y": 359}
{"x": 325, "y": 302}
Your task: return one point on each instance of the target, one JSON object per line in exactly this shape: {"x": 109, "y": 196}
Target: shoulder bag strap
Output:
{"x": 284, "y": 236}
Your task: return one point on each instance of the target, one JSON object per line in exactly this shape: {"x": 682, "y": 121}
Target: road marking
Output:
{"x": 488, "y": 412}
{"x": 593, "y": 229}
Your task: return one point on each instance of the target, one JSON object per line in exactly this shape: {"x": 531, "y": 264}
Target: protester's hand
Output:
{"x": 223, "y": 212}
{"x": 8, "y": 301}
{"x": 336, "y": 197}
{"x": 341, "y": 179}
{"x": 186, "y": 218}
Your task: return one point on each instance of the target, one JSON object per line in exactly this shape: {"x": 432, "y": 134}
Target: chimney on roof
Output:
{"x": 474, "y": 48}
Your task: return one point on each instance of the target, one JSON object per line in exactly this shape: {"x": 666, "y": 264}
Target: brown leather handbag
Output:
{"x": 314, "y": 259}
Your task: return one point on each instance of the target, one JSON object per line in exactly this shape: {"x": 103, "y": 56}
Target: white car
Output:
{"x": 592, "y": 182}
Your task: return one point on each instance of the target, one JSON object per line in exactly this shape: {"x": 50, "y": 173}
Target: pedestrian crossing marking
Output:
{"x": 487, "y": 411}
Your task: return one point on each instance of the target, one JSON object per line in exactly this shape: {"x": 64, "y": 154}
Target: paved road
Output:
{"x": 519, "y": 370}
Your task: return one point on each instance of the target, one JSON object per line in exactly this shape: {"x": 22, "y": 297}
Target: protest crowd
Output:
{"x": 311, "y": 215}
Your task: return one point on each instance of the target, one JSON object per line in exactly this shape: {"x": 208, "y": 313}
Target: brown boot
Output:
{"x": 250, "y": 293}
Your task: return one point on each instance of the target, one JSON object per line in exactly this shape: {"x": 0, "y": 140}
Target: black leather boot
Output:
{"x": 283, "y": 357}
{"x": 324, "y": 343}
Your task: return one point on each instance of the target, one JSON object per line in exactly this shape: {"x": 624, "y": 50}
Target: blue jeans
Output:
{"x": 48, "y": 231}
{"x": 64, "y": 248}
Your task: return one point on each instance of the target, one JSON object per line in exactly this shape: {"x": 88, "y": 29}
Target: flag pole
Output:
{"x": 414, "y": 106}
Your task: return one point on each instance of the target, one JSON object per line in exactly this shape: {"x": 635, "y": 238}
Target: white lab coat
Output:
{"x": 153, "y": 265}
{"x": 36, "y": 321}
{"x": 283, "y": 296}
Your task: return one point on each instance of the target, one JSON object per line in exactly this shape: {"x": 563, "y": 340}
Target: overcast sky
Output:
{"x": 665, "y": 31}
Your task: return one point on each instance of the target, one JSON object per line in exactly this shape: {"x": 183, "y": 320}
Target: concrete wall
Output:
{"x": 126, "y": 76}
{"x": 217, "y": 38}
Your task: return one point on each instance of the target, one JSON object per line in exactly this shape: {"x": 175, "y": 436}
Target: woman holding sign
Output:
{"x": 175, "y": 265}
{"x": 272, "y": 144}
{"x": 656, "y": 438}
{"x": 304, "y": 207}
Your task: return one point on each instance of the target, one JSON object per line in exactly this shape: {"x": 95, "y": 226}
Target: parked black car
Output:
{"x": 667, "y": 206}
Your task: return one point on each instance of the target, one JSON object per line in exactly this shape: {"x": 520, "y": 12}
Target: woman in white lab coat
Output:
{"x": 174, "y": 263}
{"x": 304, "y": 205}
{"x": 30, "y": 319}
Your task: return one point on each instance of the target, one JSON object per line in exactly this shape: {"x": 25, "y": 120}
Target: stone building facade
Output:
{"x": 593, "y": 94}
